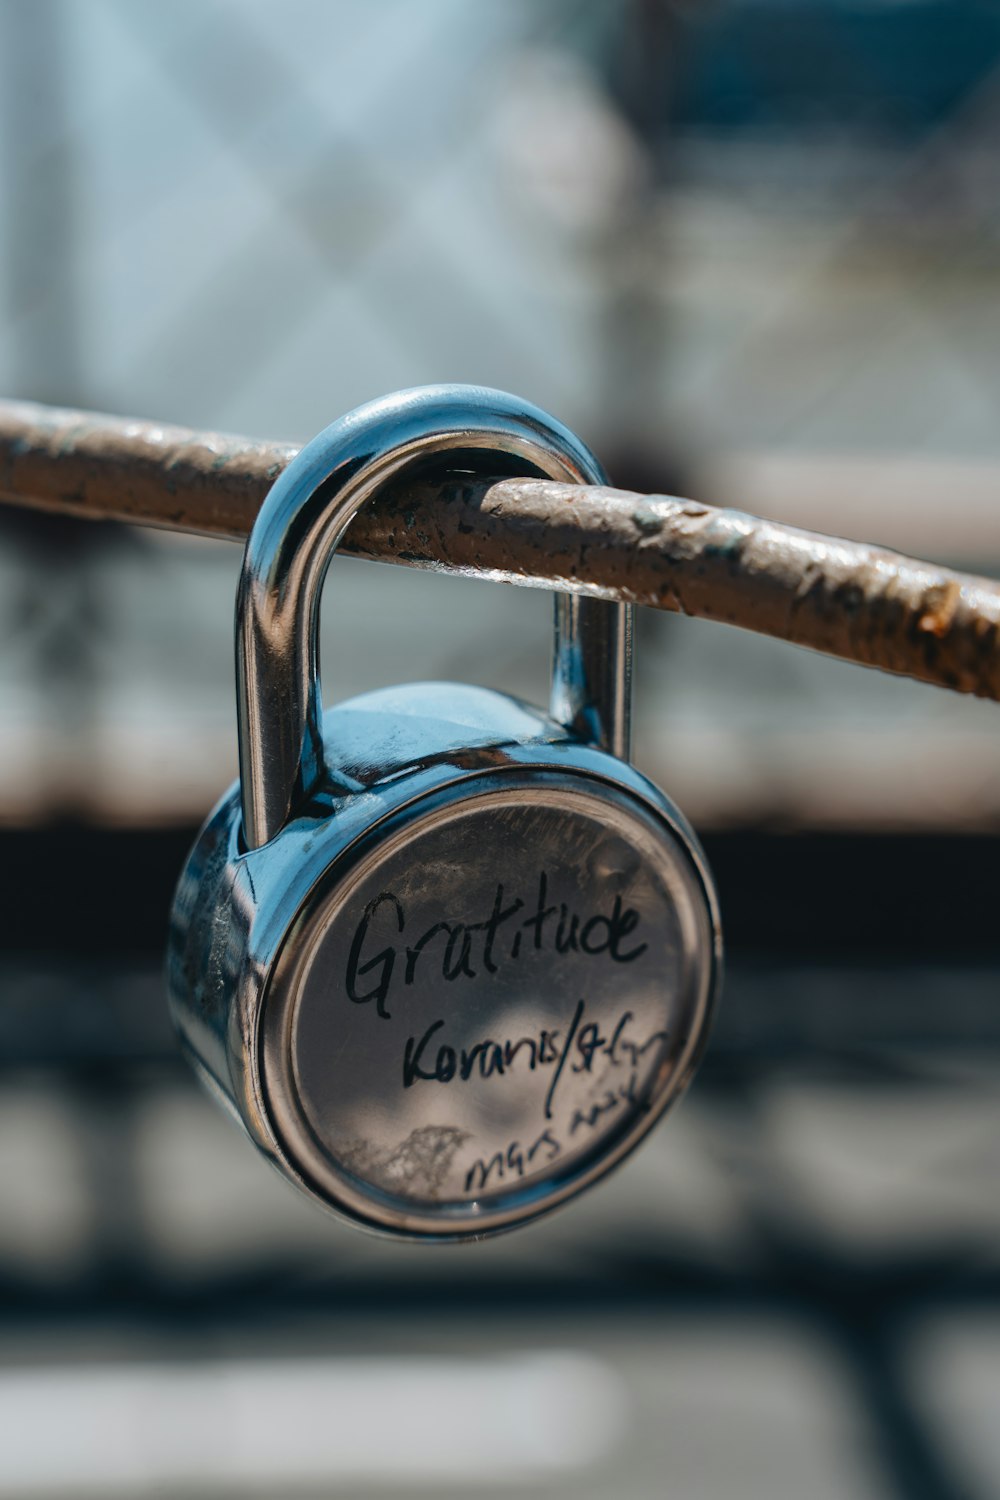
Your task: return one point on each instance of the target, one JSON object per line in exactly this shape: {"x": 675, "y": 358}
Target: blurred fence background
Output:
{"x": 750, "y": 250}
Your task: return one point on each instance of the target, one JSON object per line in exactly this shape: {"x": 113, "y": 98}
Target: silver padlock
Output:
{"x": 448, "y": 958}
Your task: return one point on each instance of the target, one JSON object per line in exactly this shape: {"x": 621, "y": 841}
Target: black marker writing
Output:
{"x": 511, "y": 1161}
{"x": 459, "y": 949}
{"x": 430, "y": 1058}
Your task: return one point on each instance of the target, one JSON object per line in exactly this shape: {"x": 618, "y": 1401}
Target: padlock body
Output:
{"x": 465, "y": 981}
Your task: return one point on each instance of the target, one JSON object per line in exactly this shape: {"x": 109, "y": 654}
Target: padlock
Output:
{"x": 447, "y": 957}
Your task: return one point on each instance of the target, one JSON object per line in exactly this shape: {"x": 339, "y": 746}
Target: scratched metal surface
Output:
{"x": 529, "y": 1084}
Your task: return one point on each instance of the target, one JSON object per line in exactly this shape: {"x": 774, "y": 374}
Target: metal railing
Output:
{"x": 859, "y": 602}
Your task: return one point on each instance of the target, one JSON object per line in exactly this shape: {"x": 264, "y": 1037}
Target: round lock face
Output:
{"x": 489, "y": 1008}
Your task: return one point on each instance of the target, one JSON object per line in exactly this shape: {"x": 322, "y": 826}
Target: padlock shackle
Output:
{"x": 295, "y": 535}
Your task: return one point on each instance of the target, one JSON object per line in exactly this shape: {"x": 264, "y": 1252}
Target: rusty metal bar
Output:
{"x": 848, "y": 599}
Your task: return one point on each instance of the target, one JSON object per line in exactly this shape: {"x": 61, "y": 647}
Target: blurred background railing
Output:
{"x": 749, "y": 250}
